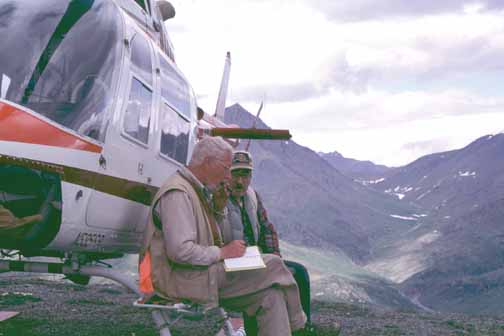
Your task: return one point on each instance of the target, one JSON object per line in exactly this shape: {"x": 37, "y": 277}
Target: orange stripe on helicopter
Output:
{"x": 20, "y": 126}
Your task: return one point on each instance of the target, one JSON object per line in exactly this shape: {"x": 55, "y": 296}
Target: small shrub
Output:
{"x": 454, "y": 324}
{"x": 17, "y": 298}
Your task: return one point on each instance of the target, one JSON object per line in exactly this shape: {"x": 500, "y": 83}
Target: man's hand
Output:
{"x": 234, "y": 249}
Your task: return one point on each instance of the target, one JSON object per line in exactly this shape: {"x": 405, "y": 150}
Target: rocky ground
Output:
{"x": 56, "y": 308}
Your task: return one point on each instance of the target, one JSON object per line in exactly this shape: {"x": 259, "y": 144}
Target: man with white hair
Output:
{"x": 183, "y": 251}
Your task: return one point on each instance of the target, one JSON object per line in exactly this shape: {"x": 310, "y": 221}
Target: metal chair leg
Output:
{"x": 227, "y": 326}
{"x": 162, "y": 322}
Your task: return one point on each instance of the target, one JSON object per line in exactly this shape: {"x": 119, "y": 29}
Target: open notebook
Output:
{"x": 250, "y": 260}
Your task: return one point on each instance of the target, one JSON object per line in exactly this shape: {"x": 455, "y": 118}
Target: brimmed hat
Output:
{"x": 241, "y": 160}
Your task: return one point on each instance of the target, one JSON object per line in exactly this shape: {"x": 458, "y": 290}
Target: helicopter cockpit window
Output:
{"x": 141, "y": 3}
{"x": 60, "y": 58}
{"x": 174, "y": 89}
{"x": 174, "y": 134}
{"x": 138, "y": 112}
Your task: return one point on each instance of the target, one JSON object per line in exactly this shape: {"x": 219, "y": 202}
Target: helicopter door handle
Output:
{"x": 103, "y": 162}
{"x": 140, "y": 168}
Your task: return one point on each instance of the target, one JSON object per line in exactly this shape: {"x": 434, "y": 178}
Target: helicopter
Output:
{"x": 94, "y": 115}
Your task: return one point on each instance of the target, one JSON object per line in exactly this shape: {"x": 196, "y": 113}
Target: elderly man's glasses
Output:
{"x": 225, "y": 166}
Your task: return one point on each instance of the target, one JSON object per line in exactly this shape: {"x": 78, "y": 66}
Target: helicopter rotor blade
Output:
{"x": 223, "y": 91}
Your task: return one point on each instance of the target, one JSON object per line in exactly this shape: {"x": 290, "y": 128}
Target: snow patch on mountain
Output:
{"x": 423, "y": 195}
{"x": 404, "y": 217}
{"x": 399, "y": 191}
{"x": 368, "y": 182}
{"x": 466, "y": 173}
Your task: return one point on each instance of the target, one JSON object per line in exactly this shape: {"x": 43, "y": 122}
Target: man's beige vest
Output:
{"x": 176, "y": 281}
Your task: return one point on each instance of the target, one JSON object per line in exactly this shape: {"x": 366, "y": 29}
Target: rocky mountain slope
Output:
{"x": 313, "y": 204}
{"x": 453, "y": 259}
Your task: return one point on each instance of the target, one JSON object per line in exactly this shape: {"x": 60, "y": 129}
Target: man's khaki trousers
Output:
{"x": 270, "y": 294}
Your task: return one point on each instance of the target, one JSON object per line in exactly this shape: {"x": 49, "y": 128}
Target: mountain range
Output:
{"x": 460, "y": 260}
{"x": 365, "y": 172}
{"x": 432, "y": 230}
{"x": 313, "y": 204}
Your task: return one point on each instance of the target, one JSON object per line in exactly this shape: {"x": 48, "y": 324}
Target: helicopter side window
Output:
{"x": 175, "y": 112}
{"x": 138, "y": 113}
{"x": 174, "y": 134}
{"x": 174, "y": 89}
{"x": 137, "y": 118}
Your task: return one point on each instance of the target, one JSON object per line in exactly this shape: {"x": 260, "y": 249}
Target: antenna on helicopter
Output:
{"x": 166, "y": 9}
{"x": 255, "y": 122}
{"x": 221, "y": 99}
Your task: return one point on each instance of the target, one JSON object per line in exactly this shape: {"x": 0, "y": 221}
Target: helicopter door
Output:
{"x": 128, "y": 156}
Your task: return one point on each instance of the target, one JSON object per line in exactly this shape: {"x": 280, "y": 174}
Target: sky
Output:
{"x": 386, "y": 81}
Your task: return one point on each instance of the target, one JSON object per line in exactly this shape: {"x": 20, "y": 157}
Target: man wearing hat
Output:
{"x": 246, "y": 219}
{"x": 182, "y": 252}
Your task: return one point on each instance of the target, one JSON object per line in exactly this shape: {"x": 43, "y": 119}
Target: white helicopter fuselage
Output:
{"x": 108, "y": 171}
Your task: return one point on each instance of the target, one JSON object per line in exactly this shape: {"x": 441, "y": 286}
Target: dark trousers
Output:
{"x": 302, "y": 278}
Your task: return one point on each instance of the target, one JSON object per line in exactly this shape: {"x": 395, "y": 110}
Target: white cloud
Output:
{"x": 424, "y": 50}
{"x": 348, "y": 110}
{"x": 267, "y": 41}
{"x": 386, "y": 145}
{"x": 378, "y": 126}
{"x": 357, "y": 10}
{"x": 366, "y": 88}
